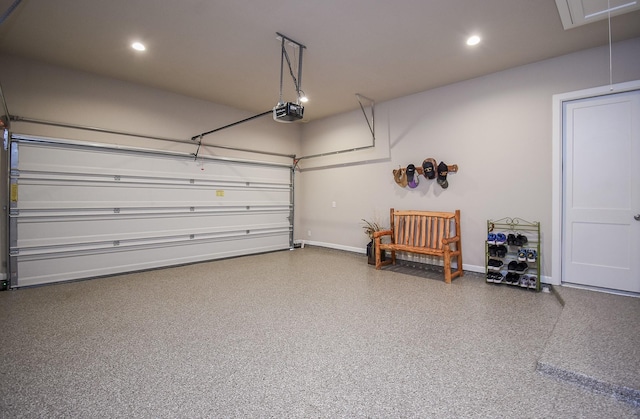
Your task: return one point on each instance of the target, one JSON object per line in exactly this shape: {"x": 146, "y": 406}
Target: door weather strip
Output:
{"x": 370, "y": 123}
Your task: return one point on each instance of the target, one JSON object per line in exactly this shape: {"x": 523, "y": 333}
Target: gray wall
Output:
{"x": 497, "y": 129}
{"x": 47, "y": 92}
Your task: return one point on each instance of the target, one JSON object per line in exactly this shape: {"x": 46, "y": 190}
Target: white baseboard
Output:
{"x": 433, "y": 261}
{"x": 473, "y": 268}
{"x": 332, "y": 246}
{"x": 547, "y": 280}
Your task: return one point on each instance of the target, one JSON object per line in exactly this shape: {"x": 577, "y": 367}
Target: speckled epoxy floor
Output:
{"x": 596, "y": 343}
{"x": 305, "y": 333}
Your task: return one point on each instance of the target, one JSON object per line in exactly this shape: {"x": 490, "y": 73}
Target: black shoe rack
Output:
{"x": 512, "y": 253}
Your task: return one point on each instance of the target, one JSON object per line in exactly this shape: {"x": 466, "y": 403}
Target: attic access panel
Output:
{"x": 575, "y": 13}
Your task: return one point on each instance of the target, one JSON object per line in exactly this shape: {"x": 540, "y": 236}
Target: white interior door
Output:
{"x": 601, "y": 237}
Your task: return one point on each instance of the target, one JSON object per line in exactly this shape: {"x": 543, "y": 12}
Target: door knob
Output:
{"x": 637, "y": 217}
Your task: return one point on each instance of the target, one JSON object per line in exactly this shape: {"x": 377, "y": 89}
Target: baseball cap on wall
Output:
{"x": 443, "y": 170}
{"x": 429, "y": 168}
{"x": 412, "y": 176}
{"x": 400, "y": 177}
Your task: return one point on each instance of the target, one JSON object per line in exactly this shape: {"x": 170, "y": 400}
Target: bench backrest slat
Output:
{"x": 421, "y": 228}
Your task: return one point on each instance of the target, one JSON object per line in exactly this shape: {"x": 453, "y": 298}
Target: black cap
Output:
{"x": 429, "y": 168}
{"x": 443, "y": 170}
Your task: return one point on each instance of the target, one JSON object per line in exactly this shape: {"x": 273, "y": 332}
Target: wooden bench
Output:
{"x": 425, "y": 233}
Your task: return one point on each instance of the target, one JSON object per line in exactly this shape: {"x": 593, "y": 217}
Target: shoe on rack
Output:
{"x": 501, "y": 238}
{"x": 515, "y": 279}
{"x": 490, "y": 277}
{"x": 533, "y": 282}
{"x": 522, "y": 255}
{"x": 501, "y": 251}
{"x": 511, "y": 238}
{"x": 524, "y": 281}
{"x": 494, "y": 265}
{"x": 508, "y": 279}
{"x": 512, "y": 266}
{"x": 532, "y": 255}
{"x": 493, "y": 250}
{"x": 521, "y": 267}
{"x": 491, "y": 238}
{"x": 521, "y": 240}
{"x": 497, "y": 278}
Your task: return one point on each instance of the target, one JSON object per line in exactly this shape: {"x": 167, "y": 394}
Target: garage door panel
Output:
{"x": 44, "y": 195}
{"x": 103, "y": 163}
{"x": 63, "y": 231}
{"x": 44, "y": 269}
{"x": 79, "y": 210}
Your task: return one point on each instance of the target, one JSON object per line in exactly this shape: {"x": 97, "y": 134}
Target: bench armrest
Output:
{"x": 378, "y": 235}
{"x": 381, "y": 233}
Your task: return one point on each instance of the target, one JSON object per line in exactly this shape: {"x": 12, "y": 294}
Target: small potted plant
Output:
{"x": 371, "y": 227}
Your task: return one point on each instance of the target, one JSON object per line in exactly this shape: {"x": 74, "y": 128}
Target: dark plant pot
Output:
{"x": 371, "y": 253}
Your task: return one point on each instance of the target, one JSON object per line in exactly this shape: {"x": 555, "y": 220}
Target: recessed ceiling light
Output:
{"x": 138, "y": 46}
{"x": 473, "y": 40}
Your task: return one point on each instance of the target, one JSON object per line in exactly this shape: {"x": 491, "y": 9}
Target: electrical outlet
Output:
{"x": 309, "y": 233}
{"x": 333, "y": 204}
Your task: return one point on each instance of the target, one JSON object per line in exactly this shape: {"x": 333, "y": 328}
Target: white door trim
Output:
{"x": 557, "y": 160}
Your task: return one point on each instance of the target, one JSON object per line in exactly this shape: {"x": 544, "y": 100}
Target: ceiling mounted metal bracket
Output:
{"x": 284, "y": 56}
{"x": 371, "y": 123}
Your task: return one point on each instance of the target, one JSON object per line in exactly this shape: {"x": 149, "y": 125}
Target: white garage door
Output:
{"x": 83, "y": 210}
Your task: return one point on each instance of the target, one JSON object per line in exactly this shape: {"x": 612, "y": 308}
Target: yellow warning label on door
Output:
{"x": 14, "y": 192}
{"x": 219, "y": 193}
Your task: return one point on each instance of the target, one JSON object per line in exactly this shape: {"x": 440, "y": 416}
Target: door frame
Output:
{"x": 557, "y": 161}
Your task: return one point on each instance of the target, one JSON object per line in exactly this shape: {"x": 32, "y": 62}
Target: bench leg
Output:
{"x": 379, "y": 262}
{"x": 460, "y": 260}
{"x": 447, "y": 267}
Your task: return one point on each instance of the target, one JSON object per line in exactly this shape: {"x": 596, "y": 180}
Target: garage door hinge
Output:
{"x": 14, "y": 252}
{"x": 116, "y": 178}
{"x": 116, "y": 210}
{"x": 14, "y": 211}
{"x": 116, "y": 242}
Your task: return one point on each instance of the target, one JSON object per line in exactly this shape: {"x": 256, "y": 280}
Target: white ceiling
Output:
{"x": 226, "y": 51}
